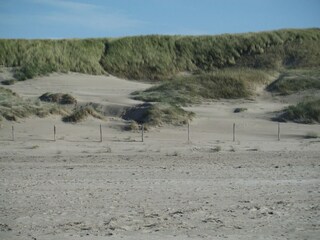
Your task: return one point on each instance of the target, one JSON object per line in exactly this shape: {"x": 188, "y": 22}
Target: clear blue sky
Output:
{"x": 114, "y": 18}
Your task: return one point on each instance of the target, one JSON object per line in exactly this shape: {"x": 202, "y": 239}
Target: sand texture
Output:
{"x": 212, "y": 187}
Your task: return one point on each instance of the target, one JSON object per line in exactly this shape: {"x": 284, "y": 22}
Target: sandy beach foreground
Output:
{"x": 188, "y": 193}
{"x": 77, "y": 187}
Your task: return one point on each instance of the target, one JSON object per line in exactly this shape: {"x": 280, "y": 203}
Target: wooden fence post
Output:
{"x": 188, "y": 132}
{"x": 100, "y": 133}
{"x": 234, "y": 132}
{"x": 12, "y": 132}
{"x": 142, "y": 133}
{"x": 54, "y": 132}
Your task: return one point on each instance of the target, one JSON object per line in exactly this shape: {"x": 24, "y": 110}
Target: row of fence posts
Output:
{"x": 142, "y": 133}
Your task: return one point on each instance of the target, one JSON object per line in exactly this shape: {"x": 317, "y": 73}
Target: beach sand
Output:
{"x": 212, "y": 187}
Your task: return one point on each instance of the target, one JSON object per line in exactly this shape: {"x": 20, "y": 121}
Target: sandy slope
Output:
{"x": 163, "y": 188}
{"x": 86, "y": 88}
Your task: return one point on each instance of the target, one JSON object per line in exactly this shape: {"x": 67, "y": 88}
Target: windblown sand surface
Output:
{"x": 163, "y": 188}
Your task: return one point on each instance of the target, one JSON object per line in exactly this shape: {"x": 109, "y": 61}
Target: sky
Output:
{"x": 117, "y": 18}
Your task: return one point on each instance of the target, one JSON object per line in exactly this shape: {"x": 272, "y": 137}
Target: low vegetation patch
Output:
{"x": 230, "y": 83}
{"x": 311, "y": 135}
{"x": 13, "y": 107}
{"x": 158, "y": 114}
{"x": 58, "y": 98}
{"x": 174, "y": 93}
{"x": 216, "y": 149}
{"x": 292, "y": 81}
{"x": 239, "y": 110}
{"x": 8, "y": 82}
{"x": 132, "y": 126}
{"x": 304, "y": 112}
{"x": 82, "y": 113}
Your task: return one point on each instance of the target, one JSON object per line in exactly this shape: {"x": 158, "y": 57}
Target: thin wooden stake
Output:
{"x": 54, "y": 132}
{"x": 278, "y": 131}
{"x": 142, "y": 133}
{"x": 234, "y": 132}
{"x": 188, "y": 132}
{"x": 100, "y": 133}
{"x": 12, "y": 133}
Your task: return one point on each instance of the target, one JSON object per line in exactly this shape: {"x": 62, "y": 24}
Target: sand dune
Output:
{"x": 163, "y": 188}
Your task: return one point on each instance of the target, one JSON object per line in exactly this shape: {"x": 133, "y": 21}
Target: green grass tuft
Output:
{"x": 239, "y": 110}
{"x": 303, "y": 112}
{"x": 158, "y": 114}
{"x": 8, "y": 82}
{"x": 82, "y": 114}
{"x": 58, "y": 98}
{"x": 296, "y": 80}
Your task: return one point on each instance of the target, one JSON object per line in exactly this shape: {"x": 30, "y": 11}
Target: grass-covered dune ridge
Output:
{"x": 184, "y": 90}
{"x": 159, "y": 57}
{"x": 155, "y": 57}
{"x": 39, "y": 57}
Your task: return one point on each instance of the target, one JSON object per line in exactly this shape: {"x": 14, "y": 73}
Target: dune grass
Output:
{"x": 296, "y": 80}
{"x": 177, "y": 92}
{"x": 80, "y": 114}
{"x": 60, "y": 98}
{"x": 40, "y": 57}
{"x": 160, "y": 57}
{"x": 8, "y": 82}
{"x": 13, "y": 107}
{"x": 228, "y": 83}
{"x": 304, "y": 112}
{"x": 219, "y": 65}
{"x": 158, "y": 114}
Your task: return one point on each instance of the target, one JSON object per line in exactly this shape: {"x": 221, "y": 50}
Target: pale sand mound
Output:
{"x": 164, "y": 188}
{"x": 86, "y": 88}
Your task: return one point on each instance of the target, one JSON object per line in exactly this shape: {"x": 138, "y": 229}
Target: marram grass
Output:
{"x": 159, "y": 57}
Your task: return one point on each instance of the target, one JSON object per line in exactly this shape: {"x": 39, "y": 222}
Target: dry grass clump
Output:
{"x": 239, "y": 110}
{"x": 303, "y": 112}
{"x": 132, "y": 126}
{"x": 60, "y": 98}
{"x": 13, "y": 107}
{"x": 216, "y": 149}
{"x": 310, "y": 135}
{"x": 158, "y": 114}
{"x": 8, "y": 82}
{"x": 81, "y": 114}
